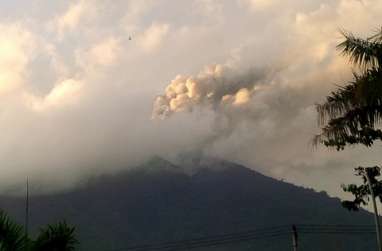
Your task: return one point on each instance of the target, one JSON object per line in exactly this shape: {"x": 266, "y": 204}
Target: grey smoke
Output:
{"x": 85, "y": 106}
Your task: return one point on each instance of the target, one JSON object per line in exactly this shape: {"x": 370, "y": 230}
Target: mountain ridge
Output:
{"x": 158, "y": 202}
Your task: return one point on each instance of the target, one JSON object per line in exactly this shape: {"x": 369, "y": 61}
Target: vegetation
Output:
{"x": 57, "y": 237}
{"x": 351, "y": 113}
{"x": 11, "y": 235}
{"x": 361, "y": 193}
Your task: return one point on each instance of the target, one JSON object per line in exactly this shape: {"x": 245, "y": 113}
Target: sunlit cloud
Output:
{"x": 16, "y": 45}
{"x": 235, "y": 79}
{"x": 153, "y": 36}
{"x": 64, "y": 93}
{"x": 72, "y": 17}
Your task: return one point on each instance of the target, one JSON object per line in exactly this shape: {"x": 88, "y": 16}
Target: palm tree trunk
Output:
{"x": 376, "y": 216}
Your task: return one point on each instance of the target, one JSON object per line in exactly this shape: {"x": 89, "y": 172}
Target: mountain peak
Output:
{"x": 154, "y": 203}
{"x": 157, "y": 163}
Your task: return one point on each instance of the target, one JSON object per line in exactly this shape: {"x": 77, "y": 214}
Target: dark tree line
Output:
{"x": 57, "y": 237}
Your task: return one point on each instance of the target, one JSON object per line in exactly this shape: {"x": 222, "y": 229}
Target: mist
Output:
{"x": 234, "y": 79}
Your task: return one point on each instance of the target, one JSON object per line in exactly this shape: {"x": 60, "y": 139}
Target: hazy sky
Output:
{"x": 235, "y": 78}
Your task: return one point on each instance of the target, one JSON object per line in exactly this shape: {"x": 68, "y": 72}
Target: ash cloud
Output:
{"x": 216, "y": 86}
{"x": 76, "y": 94}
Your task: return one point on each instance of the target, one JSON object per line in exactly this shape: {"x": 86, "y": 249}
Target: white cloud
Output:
{"x": 260, "y": 5}
{"x": 271, "y": 125}
{"x": 16, "y": 45}
{"x": 85, "y": 98}
{"x": 209, "y": 8}
{"x": 67, "y": 92}
{"x": 72, "y": 18}
{"x": 106, "y": 52}
{"x": 135, "y": 10}
{"x": 153, "y": 36}
{"x": 103, "y": 53}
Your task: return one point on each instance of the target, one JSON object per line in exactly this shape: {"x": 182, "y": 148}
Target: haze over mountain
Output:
{"x": 161, "y": 201}
{"x": 90, "y": 90}
{"x": 80, "y": 81}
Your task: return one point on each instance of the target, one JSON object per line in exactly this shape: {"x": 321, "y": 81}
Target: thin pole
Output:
{"x": 376, "y": 217}
{"x": 295, "y": 237}
{"x": 27, "y": 210}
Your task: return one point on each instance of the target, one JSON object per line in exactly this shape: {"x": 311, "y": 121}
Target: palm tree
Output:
{"x": 11, "y": 234}
{"x": 57, "y": 237}
{"x": 350, "y": 114}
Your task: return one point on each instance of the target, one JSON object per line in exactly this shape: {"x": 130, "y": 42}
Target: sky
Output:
{"x": 93, "y": 86}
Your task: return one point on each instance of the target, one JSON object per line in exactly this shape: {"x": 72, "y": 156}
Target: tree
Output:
{"x": 361, "y": 192}
{"x": 57, "y": 237}
{"x": 350, "y": 114}
{"x": 371, "y": 186}
{"x": 11, "y": 234}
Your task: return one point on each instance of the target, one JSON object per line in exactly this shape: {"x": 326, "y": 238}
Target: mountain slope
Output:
{"x": 159, "y": 202}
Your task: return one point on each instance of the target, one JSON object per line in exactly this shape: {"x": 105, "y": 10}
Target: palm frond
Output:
{"x": 336, "y": 104}
{"x": 363, "y": 93}
{"x": 377, "y": 37}
{"x": 58, "y": 237}
{"x": 338, "y": 138}
{"x": 11, "y": 234}
{"x": 356, "y": 126}
{"x": 362, "y": 52}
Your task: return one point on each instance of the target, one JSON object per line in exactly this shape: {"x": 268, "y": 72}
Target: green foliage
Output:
{"x": 362, "y": 192}
{"x": 350, "y": 114}
{"x": 363, "y": 52}
{"x": 11, "y": 234}
{"x": 57, "y": 237}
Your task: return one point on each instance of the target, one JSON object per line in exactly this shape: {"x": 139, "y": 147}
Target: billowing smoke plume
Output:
{"x": 215, "y": 86}
{"x": 77, "y": 85}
